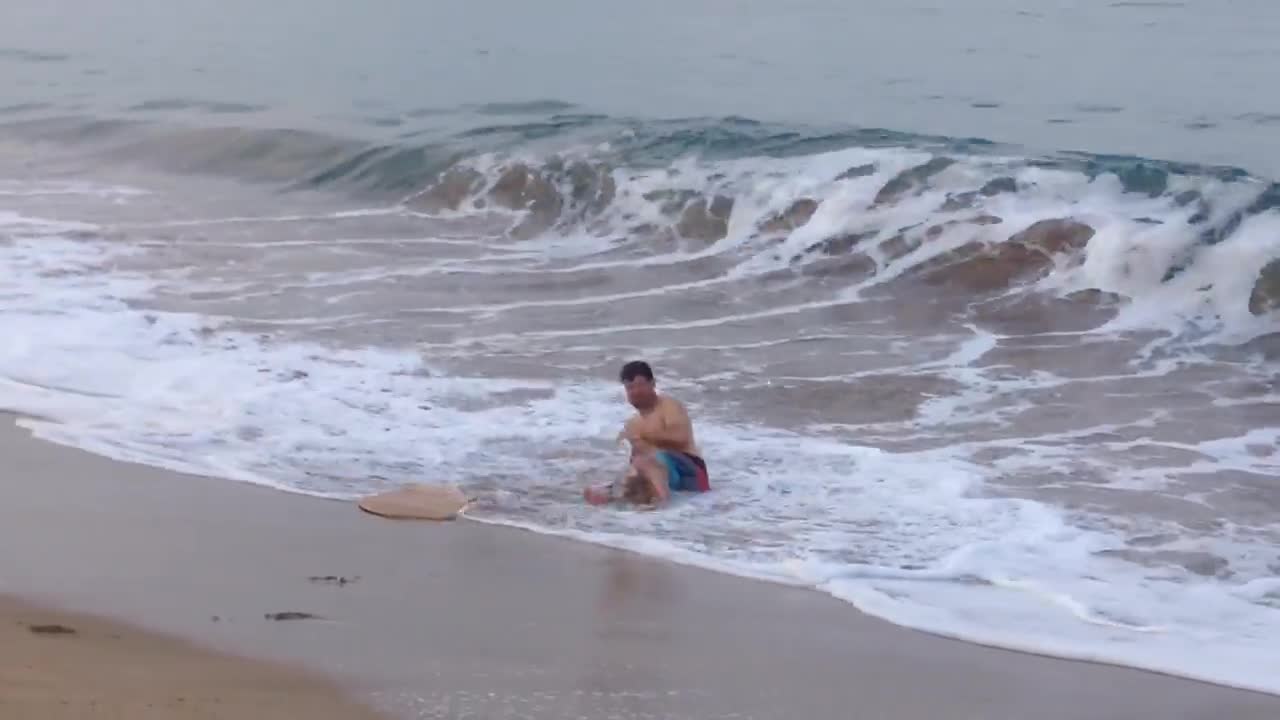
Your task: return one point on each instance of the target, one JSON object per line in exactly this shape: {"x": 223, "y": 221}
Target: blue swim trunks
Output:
{"x": 685, "y": 472}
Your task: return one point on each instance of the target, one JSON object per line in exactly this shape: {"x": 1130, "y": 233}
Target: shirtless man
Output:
{"x": 664, "y": 455}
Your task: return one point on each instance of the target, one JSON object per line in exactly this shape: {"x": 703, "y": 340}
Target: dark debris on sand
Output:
{"x": 51, "y": 630}
{"x": 291, "y": 615}
{"x": 338, "y": 580}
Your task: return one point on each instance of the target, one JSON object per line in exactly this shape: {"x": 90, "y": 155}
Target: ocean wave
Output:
{"x": 867, "y": 207}
{"x": 878, "y": 217}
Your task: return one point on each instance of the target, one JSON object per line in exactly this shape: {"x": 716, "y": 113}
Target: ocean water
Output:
{"x": 975, "y": 307}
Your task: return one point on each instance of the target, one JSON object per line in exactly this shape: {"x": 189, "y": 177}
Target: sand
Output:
{"x": 461, "y": 619}
{"x": 57, "y": 665}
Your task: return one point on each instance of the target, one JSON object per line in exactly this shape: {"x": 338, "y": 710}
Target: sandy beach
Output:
{"x": 56, "y": 666}
{"x": 455, "y": 619}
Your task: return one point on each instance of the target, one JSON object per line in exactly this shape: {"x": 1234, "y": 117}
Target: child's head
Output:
{"x": 635, "y": 489}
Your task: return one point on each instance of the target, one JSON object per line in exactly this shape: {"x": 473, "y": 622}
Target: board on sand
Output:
{"x": 417, "y": 502}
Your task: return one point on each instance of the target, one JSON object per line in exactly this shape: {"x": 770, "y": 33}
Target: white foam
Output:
{"x": 1133, "y": 259}
{"x": 1127, "y": 255}
{"x": 258, "y": 219}
{"x": 29, "y": 188}
{"x": 13, "y": 223}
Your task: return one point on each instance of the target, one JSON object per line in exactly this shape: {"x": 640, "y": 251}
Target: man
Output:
{"x": 664, "y": 455}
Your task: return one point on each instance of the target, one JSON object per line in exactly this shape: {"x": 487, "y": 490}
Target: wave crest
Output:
{"x": 864, "y": 207}
{"x": 880, "y": 217}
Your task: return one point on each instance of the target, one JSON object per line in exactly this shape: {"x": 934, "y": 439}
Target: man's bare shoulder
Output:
{"x": 672, "y": 407}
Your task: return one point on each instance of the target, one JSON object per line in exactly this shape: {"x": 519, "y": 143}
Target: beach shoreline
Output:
{"x": 419, "y": 619}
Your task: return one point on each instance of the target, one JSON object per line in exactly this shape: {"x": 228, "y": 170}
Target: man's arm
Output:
{"x": 661, "y": 493}
{"x": 628, "y": 434}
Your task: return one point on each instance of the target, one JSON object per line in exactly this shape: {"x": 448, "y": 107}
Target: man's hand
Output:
{"x": 632, "y": 434}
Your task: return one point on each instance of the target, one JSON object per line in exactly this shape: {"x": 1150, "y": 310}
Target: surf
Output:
{"x": 1003, "y": 395}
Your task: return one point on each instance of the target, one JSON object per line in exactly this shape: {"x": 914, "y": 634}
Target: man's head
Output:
{"x": 637, "y": 379}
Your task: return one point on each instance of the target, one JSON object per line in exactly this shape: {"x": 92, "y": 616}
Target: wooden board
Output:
{"x": 417, "y": 502}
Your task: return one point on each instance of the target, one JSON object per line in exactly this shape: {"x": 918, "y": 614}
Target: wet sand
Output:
{"x": 56, "y": 666}
{"x": 459, "y": 619}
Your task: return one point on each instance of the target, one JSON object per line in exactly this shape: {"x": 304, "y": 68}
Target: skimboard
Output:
{"x": 419, "y": 501}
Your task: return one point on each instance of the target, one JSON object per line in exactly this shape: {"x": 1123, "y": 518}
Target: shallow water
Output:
{"x": 984, "y": 387}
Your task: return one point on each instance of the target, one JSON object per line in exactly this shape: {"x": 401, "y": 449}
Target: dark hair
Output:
{"x": 635, "y": 369}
